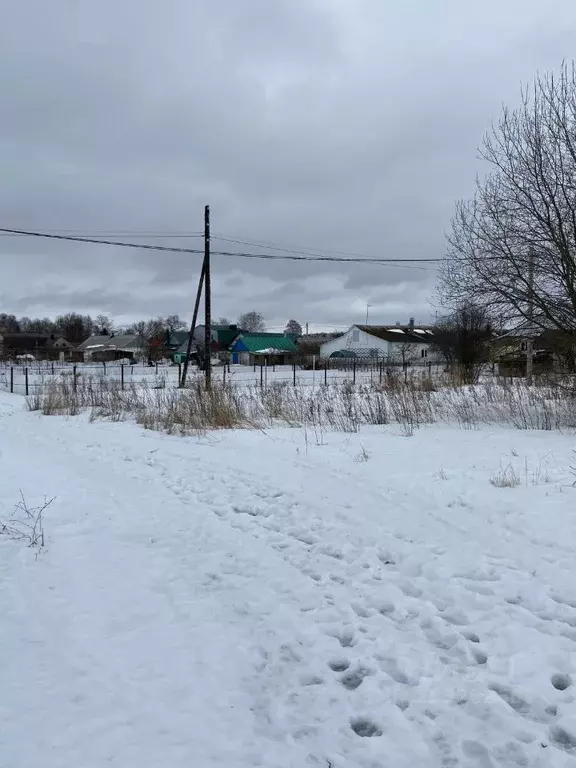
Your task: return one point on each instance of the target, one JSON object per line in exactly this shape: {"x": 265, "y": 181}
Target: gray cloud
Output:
{"x": 321, "y": 123}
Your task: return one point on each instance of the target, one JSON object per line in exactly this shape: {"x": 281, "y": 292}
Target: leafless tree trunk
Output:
{"x": 512, "y": 247}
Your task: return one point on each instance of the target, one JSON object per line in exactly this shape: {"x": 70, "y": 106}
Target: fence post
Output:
{"x": 52, "y": 369}
{"x": 380, "y": 372}
{"x": 326, "y": 373}
{"x": 122, "y": 375}
{"x": 354, "y": 370}
{"x": 261, "y": 375}
{"x": 12, "y": 379}
{"x": 224, "y": 374}
{"x": 313, "y": 371}
{"x": 74, "y": 382}
{"x": 104, "y": 364}
{"x": 26, "y": 379}
{"x": 156, "y": 367}
{"x": 294, "y": 371}
{"x": 179, "y": 373}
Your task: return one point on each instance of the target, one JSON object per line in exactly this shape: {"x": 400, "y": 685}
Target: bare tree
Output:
{"x": 222, "y": 321}
{"x": 174, "y": 323}
{"x": 252, "y": 321}
{"x": 10, "y": 323}
{"x": 462, "y": 338}
{"x": 138, "y": 328}
{"x": 293, "y": 328}
{"x": 102, "y": 325}
{"x": 513, "y": 245}
{"x": 37, "y": 325}
{"x": 73, "y": 327}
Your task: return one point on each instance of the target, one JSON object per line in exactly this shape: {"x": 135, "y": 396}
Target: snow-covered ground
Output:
{"x": 286, "y": 599}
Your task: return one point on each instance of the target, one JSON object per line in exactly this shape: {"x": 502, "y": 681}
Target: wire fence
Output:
{"x": 30, "y": 378}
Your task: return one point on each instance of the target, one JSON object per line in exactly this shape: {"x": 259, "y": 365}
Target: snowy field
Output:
{"x": 263, "y": 598}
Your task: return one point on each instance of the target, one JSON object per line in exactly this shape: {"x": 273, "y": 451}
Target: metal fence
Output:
{"x": 26, "y": 379}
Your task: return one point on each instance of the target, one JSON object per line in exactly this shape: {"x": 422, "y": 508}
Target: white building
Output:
{"x": 389, "y": 343}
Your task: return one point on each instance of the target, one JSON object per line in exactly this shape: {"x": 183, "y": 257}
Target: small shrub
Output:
{"x": 362, "y": 456}
{"x": 506, "y": 477}
{"x": 27, "y": 523}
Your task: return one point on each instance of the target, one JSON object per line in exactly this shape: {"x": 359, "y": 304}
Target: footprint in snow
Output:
{"x": 478, "y": 753}
{"x": 366, "y": 728}
{"x": 457, "y": 618}
{"x": 346, "y": 637}
{"x": 390, "y": 666}
{"x": 410, "y": 590}
{"x": 479, "y": 656}
{"x": 310, "y": 679}
{"x": 560, "y": 681}
{"x": 515, "y": 702}
{"x": 339, "y": 665}
{"x": 354, "y": 679}
{"x": 361, "y": 610}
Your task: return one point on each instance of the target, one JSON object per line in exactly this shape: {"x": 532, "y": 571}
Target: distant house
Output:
{"x": 36, "y": 346}
{"x": 260, "y": 348}
{"x": 552, "y": 350}
{"x": 107, "y": 348}
{"x": 175, "y": 339}
{"x": 223, "y": 336}
{"x": 392, "y": 344}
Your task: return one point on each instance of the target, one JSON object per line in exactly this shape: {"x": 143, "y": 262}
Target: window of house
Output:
{"x": 523, "y": 346}
{"x": 355, "y": 335}
{"x": 423, "y": 353}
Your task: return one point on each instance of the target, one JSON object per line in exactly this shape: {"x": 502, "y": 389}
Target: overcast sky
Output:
{"x": 345, "y": 125}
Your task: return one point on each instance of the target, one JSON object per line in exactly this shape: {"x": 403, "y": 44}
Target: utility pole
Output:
{"x": 192, "y": 327}
{"x": 367, "y": 309}
{"x": 530, "y": 340}
{"x": 207, "y": 300}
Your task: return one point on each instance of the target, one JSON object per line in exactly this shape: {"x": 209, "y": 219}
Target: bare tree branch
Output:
{"x": 512, "y": 247}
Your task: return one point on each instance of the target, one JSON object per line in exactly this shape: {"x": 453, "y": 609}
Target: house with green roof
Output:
{"x": 222, "y": 338}
{"x": 263, "y": 348}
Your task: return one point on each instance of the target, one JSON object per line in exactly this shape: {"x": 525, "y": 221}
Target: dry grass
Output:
{"x": 505, "y": 477}
{"x": 340, "y": 407}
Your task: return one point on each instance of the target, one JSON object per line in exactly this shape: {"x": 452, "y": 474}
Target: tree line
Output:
{"x": 76, "y": 327}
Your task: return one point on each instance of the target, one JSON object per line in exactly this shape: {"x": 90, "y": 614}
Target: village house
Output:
{"x": 263, "y": 349}
{"x": 34, "y": 346}
{"x": 391, "y": 344}
{"x": 223, "y": 336}
{"x": 552, "y": 350}
{"x": 125, "y": 346}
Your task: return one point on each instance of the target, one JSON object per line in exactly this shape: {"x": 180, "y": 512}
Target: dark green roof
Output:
{"x": 256, "y": 342}
{"x": 177, "y": 338}
{"x": 225, "y": 335}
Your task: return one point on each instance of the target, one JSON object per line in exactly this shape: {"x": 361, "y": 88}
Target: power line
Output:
{"x": 289, "y": 256}
{"x": 110, "y": 233}
{"x": 302, "y": 249}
